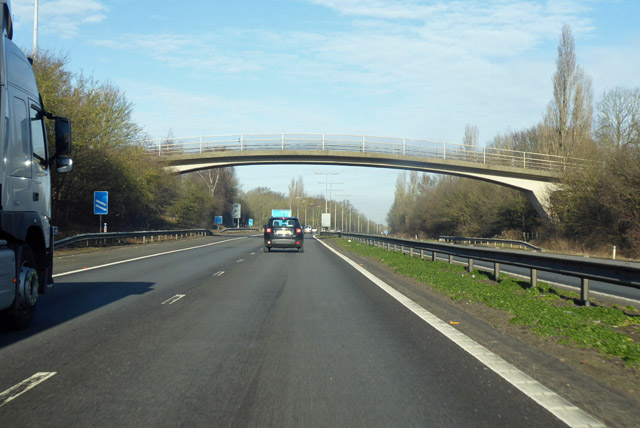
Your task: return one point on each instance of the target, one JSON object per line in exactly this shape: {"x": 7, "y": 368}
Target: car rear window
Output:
{"x": 284, "y": 222}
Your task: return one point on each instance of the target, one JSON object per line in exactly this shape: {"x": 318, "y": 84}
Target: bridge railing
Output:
{"x": 362, "y": 144}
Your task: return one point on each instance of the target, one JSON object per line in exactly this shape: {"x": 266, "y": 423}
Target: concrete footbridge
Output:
{"x": 532, "y": 173}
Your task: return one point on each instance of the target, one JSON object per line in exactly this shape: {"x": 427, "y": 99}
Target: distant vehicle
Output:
{"x": 283, "y": 232}
{"x": 307, "y": 229}
{"x": 26, "y": 233}
{"x": 314, "y": 230}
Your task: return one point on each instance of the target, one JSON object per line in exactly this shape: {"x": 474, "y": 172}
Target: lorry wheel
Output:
{"x": 24, "y": 305}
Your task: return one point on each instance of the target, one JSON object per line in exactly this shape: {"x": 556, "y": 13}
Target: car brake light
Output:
{"x": 298, "y": 230}
{"x": 268, "y": 230}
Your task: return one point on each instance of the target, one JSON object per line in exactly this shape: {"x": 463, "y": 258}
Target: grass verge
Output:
{"x": 611, "y": 330}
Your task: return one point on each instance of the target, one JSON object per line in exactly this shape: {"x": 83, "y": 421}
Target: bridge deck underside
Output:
{"x": 536, "y": 184}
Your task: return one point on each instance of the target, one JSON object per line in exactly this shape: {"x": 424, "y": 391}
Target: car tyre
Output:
{"x": 301, "y": 250}
{"x": 266, "y": 249}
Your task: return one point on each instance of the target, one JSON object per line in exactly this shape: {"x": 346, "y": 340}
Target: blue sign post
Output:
{"x": 101, "y": 206}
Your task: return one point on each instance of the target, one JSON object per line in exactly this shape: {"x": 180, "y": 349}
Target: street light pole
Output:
{"x": 342, "y": 195}
{"x": 35, "y": 30}
{"x": 305, "y": 212}
{"x": 326, "y": 183}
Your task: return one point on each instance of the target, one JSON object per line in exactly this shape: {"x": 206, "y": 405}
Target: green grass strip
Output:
{"x": 548, "y": 311}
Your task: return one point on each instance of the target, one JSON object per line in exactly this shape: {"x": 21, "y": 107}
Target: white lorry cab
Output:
{"x": 26, "y": 233}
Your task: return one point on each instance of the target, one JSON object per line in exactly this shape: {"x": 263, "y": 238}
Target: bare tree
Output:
{"x": 569, "y": 115}
{"x": 618, "y": 123}
{"x": 470, "y": 141}
{"x": 296, "y": 190}
{"x": 210, "y": 177}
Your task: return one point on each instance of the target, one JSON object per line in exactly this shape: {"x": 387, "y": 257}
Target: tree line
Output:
{"x": 592, "y": 209}
{"x": 308, "y": 208}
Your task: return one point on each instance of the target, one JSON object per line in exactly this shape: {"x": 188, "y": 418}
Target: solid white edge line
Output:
{"x": 549, "y": 400}
{"x": 19, "y": 389}
{"x": 144, "y": 257}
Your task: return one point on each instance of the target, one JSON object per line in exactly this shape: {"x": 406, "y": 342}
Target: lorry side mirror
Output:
{"x": 64, "y": 164}
{"x": 63, "y": 136}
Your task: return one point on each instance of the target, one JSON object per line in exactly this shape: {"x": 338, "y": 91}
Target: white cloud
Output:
{"x": 446, "y": 63}
{"x": 61, "y": 17}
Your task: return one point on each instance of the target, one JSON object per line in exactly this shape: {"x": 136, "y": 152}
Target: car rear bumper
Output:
{"x": 284, "y": 243}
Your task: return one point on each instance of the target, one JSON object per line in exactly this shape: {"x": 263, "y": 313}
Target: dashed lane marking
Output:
{"x": 239, "y": 261}
{"x": 174, "y": 299}
{"x": 85, "y": 269}
{"x": 19, "y": 389}
{"x": 549, "y": 400}
{"x": 219, "y": 273}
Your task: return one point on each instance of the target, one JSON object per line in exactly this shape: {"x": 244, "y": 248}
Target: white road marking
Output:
{"x": 239, "y": 261}
{"x": 552, "y": 402}
{"x": 252, "y": 254}
{"x": 144, "y": 257}
{"x": 174, "y": 299}
{"x": 219, "y": 273}
{"x": 24, "y": 386}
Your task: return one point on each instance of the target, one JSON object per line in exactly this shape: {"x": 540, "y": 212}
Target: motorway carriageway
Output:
{"x": 214, "y": 332}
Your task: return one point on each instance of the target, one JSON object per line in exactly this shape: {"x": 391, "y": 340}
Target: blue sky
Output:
{"x": 400, "y": 68}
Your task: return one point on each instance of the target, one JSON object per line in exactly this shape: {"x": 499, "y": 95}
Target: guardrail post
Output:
{"x": 363, "y": 148}
{"x": 584, "y": 292}
{"x": 411, "y": 252}
{"x": 201, "y": 144}
{"x": 282, "y": 141}
{"x": 144, "y": 239}
{"x": 421, "y": 253}
{"x": 496, "y": 271}
{"x": 451, "y": 259}
{"x": 404, "y": 146}
{"x": 433, "y": 256}
{"x": 323, "y": 142}
{"x": 534, "y": 277}
{"x": 470, "y": 265}
{"x": 444, "y": 151}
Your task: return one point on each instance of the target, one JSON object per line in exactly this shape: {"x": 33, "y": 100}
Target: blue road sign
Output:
{"x": 217, "y": 219}
{"x": 100, "y": 203}
{"x": 250, "y": 222}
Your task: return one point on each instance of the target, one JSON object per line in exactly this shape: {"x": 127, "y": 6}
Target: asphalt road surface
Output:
{"x": 226, "y": 335}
